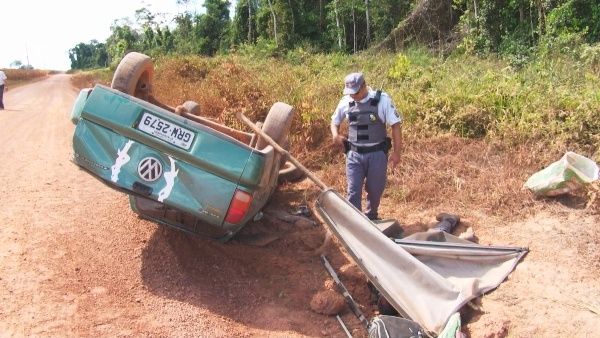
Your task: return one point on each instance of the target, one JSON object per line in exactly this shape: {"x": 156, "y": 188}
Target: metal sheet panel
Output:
{"x": 426, "y": 283}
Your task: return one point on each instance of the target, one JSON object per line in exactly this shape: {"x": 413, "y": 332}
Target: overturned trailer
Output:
{"x": 427, "y": 276}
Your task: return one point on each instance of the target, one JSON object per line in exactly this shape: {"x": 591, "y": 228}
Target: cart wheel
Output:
{"x": 277, "y": 124}
{"x": 134, "y": 75}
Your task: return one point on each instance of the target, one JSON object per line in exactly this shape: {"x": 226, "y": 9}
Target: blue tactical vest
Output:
{"x": 365, "y": 128}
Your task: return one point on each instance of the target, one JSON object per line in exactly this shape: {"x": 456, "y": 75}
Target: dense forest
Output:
{"x": 515, "y": 29}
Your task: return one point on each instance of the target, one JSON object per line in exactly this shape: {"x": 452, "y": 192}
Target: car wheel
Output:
{"x": 134, "y": 75}
{"x": 191, "y": 107}
{"x": 277, "y": 124}
{"x": 289, "y": 172}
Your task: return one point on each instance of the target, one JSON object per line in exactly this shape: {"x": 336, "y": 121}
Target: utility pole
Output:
{"x": 27, "y": 55}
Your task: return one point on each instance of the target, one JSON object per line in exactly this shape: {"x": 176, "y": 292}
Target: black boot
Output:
{"x": 447, "y": 222}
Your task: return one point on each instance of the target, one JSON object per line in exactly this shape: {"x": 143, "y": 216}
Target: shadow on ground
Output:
{"x": 264, "y": 287}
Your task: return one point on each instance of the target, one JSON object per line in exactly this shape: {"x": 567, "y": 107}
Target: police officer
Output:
{"x": 367, "y": 145}
{"x": 2, "y": 87}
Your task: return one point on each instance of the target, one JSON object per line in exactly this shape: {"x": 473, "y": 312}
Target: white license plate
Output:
{"x": 166, "y": 131}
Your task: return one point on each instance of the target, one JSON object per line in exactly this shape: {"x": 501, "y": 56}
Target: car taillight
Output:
{"x": 239, "y": 207}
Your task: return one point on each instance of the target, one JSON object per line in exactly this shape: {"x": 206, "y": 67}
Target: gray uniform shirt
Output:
{"x": 386, "y": 110}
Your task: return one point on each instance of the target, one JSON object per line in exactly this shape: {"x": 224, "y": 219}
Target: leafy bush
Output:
{"x": 591, "y": 56}
{"x": 400, "y": 68}
{"x": 263, "y": 48}
{"x": 575, "y": 16}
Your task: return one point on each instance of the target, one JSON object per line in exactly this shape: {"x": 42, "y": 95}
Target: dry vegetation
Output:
{"x": 88, "y": 79}
{"x": 19, "y": 77}
{"x": 440, "y": 168}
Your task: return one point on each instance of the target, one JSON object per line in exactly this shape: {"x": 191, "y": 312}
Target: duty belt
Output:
{"x": 385, "y": 146}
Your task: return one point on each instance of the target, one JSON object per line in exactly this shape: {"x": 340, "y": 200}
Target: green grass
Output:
{"x": 552, "y": 101}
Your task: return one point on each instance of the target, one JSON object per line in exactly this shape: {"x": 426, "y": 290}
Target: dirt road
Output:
{"x": 75, "y": 261}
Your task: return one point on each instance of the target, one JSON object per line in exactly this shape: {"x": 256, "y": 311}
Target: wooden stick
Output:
{"x": 282, "y": 151}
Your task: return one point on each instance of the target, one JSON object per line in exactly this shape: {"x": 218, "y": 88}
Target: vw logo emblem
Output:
{"x": 150, "y": 169}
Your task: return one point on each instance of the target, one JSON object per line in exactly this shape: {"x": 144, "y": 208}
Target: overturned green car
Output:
{"x": 179, "y": 169}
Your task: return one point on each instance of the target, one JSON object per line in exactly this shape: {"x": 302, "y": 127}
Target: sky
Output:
{"x": 43, "y": 31}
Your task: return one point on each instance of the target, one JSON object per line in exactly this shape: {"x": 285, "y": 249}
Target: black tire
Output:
{"x": 134, "y": 75}
{"x": 191, "y": 107}
{"x": 277, "y": 124}
{"x": 289, "y": 172}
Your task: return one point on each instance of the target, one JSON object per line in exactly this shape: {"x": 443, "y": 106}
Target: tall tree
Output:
{"x": 243, "y": 26}
{"x": 353, "y": 27}
{"x": 213, "y": 27}
{"x": 338, "y": 25}
{"x": 367, "y": 18}
{"x": 88, "y": 55}
{"x": 250, "y": 22}
{"x": 274, "y": 17}
{"x": 123, "y": 39}
{"x": 16, "y": 64}
{"x": 430, "y": 21}
{"x": 184, "y": 34}
{"x": 291, "y": 9}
